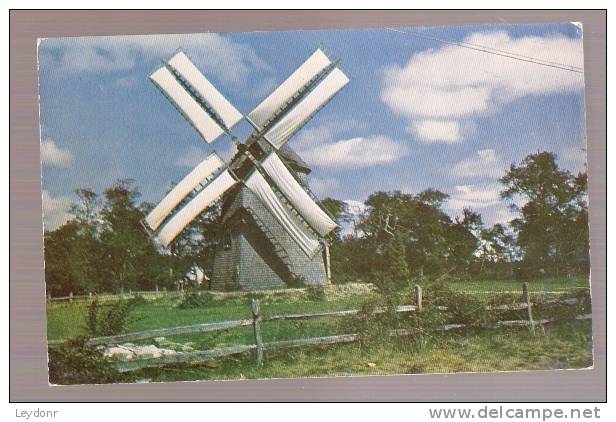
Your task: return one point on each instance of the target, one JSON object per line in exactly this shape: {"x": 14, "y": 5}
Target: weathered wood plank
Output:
{"x": 256, "y": 326}
{"x": 570, "y": 301}
{"x": 334, "y": 314}
{"x": 508, "y": 307}
{"x": 162, "y": 332}
{"x": 312, "y": 341}
{"x": 529, "y": 308}
{"x": 310, "y": 316}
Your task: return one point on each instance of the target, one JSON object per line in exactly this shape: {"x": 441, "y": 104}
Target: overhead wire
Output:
{"x": 494, "y": 51}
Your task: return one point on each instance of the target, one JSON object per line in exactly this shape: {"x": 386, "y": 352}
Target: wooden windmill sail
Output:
{"x": 275, "y": 233}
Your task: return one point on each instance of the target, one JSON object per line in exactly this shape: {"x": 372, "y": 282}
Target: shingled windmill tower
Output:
{"x": 274, "y": 233}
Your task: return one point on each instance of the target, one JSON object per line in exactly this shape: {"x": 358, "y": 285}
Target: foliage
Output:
{"x": 553, "y": 227}
{"x": 195, "y": 299}
{"x": 316, "y": 293}
{"x": 113, "y": 320}
{"x": 295, "y": 282}
{"x": 104, "y": 247}
{"x": 74, "y": 362}
{"x": 462, "y": 308}
{"x": 549, "y": 238}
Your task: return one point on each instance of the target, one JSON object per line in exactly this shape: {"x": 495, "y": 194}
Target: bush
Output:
{"x": 196, "y": 300}
{"x": 295, "y": 282}
{"x": 112, "y": 321}
{"x": 462, "y": 308}
{"x": 74, "y": 362}
{"x": 316, "y": 293}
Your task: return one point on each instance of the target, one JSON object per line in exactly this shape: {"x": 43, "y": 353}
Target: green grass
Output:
{"x": 534, "y": 285}
{"x": 563, "y": 346}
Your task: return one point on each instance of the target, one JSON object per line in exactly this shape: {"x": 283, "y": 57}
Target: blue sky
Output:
{"x": 417, "y": 113}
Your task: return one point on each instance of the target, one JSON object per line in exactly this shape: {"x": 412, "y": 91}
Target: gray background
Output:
{"x": 28, "y": 360}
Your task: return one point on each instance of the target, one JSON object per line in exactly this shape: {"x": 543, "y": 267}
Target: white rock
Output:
{"x": 118, "y": 353}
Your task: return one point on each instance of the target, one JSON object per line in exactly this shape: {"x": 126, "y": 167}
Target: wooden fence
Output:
{"x": 257, "y": 320}
{"x": 164, "y": 292}
{"x": 112, "y": 297}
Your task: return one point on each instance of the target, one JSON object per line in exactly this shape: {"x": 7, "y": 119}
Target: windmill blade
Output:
{"x": 186, "y": 104}
{"x": 259, "y": 186}
{"x": 297, "y": 196}
{"x": 287, "y": 91}
{"x": 218, "y": 104}
{"x": 197, "y": 176}
{"x": 306, "y": 108}
{"x": 196, "y": 206}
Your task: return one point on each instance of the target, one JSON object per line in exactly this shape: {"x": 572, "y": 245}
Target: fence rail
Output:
{"x": 260, "y": 347}
{"x": 154, "y": 294}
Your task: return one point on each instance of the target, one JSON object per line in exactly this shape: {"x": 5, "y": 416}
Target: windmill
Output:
{"x": 274, "y": 232}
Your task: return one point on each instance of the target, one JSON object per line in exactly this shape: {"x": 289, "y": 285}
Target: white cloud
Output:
{"x": 213, "y": 53}
{"x": 327, "y": 132}
{"x": 354, "y": 211}
{"x": 55, "y": 210}
{"x": 573, "y": 159}
{"x": 436, "y": 131}
{"x": 483, "y": 198}
{"x": 355, "y": 152}
{"x": 474, "y": 196}
{"x": 323, "y": 186}
{"x": 453, "y": 83}
{"x": 190, "y": 158}
{"x": 54, "y": 156}
{"x": 485, "y": 163}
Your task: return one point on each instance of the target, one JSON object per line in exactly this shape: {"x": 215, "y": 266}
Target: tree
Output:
{"x": 395, "y": 256}
{"x": 58, "y": 246}
{"x": 130, "y": 256}
{"x": 432, "y": 241}
{"x": 463, "y": 239}
{"x": 552, "y": 230}
{"x": 85, "y": 250}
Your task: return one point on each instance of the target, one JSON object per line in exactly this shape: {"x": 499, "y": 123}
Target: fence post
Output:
{"x": 418, "y": 297}
{"x": 70, "y": 297}
{"x": 256, "y": 319}
{"x": 529, "y": 309}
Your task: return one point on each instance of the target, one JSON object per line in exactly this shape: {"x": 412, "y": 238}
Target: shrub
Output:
{"x": 316, "y": 293}
{"x": 295, "y": 282}
{"x": 196, "y": 300}
{"x": 112, "y": 321}
{"x": 74, "y": 362}
{"x": 462, "y": 308}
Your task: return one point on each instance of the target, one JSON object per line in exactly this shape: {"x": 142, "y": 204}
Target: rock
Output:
{"x": 119, "y": 353}
{"x": 372, "y": 364}
{"x": 129, "y": 351}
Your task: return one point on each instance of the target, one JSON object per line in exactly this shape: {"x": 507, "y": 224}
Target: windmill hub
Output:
{"x": 274, "y": 232}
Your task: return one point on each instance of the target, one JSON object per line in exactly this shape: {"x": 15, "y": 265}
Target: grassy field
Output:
{"x": 563, "y": 346}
